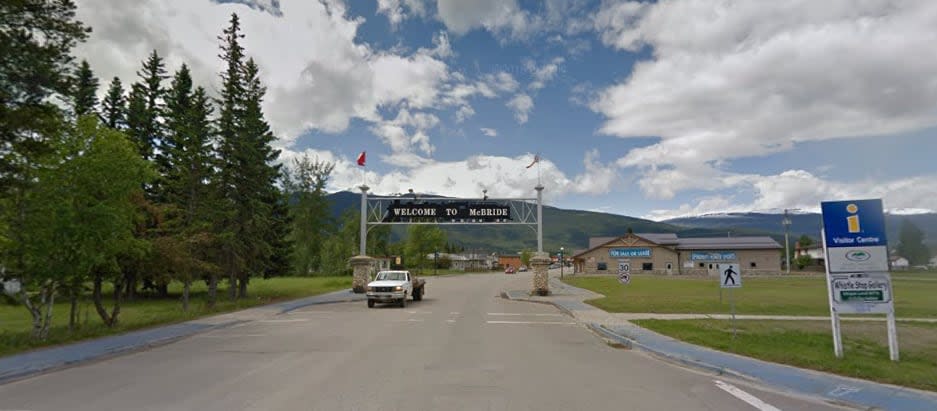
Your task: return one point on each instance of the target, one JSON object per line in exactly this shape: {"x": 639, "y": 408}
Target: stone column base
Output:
{"x": 539, "y": 264}
{"x": 361, "y": 265}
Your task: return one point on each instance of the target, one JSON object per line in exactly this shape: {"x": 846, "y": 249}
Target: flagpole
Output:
{"x": 539, "y": 182}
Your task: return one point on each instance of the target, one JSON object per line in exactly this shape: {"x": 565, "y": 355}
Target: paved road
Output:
{"x": 461, "y": 348}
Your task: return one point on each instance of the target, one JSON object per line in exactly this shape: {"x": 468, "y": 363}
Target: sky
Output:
{"x": 647, "y": 109}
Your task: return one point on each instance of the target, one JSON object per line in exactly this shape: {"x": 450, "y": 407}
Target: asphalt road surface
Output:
{"x": 461, "y": 348}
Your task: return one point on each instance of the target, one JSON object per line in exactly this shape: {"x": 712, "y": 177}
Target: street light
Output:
{"x": 561, "y": 263}
{"x": 787, "y": 252}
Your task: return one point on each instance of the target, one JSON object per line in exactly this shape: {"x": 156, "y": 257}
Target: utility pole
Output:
{"x": 787, "y": 252}
{"x": 561, "y": 263}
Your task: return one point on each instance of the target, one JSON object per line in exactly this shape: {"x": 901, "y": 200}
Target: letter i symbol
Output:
{"x": 853, "y": 221}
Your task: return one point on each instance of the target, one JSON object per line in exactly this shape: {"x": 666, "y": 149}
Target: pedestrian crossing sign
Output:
{"x": 730, "y": 276}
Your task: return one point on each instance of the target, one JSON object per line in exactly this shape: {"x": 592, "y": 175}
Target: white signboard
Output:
{"x": 861, "y": 293}
{"x": 624, "y": 271}
{"x": 730, "y": 276}
{"x": 858, "y": 259}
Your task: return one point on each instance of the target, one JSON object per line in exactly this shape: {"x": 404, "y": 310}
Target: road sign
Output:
{"x": 861, "y": 293}
{"x": 730, "y": 276}
{"x": 856, "y": 251}
{"x": 624, "y": 271}
{"x": 855, "y": 236}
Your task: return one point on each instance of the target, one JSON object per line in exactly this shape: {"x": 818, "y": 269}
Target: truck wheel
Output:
{"x": 418, "y": 295}
{"x": 370, "y": 303}
{"x": 403, "y": 301}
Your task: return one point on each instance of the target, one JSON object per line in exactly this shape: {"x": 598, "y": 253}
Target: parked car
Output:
{"x": 523, "y": 268}
{"x": 509, "y": 270}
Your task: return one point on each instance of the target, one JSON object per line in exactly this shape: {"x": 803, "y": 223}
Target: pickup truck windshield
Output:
{"x": 391, "y": 276}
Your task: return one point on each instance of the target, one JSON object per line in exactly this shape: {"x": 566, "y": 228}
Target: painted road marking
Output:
{"x": 744, "y": 396}
{"x": 527, "y": 314}
{"x": 532, "y": 322}
{"x": 227, "y": 336}
{"x": 450, "y": 321}
{"x": 292, "y": 320}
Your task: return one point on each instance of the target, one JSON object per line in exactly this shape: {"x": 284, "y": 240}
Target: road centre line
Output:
{"x": 292, "y": 320}
{"x": 527, "y": 314}
{"x": 532, "y": 322}
{"x": 744, "y": 396}
{"x": 227, "y": 336}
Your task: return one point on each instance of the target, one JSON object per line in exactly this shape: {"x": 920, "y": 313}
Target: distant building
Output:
{"x": 815, "y": 252}
{"x": 509, "y": 260}
{"x": 665, "y": 253}
{"x": 899, "y": 263}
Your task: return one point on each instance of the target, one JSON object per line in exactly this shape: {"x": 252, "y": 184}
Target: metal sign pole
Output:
{"x": 732, "y": 303}
{"x": 892, "y": 337}
{"x": 364, "y": 220}
{"x": 834, "y": 316}
{"x": 539, "y": 189}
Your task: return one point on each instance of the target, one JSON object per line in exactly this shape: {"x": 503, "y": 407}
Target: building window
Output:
{"x": 702, "y": 265}
{"x": 647, "y": 266}
{"x": 753, "y": 265}
{"x": 602, "y": 267}
{"x": 669, "y": 266}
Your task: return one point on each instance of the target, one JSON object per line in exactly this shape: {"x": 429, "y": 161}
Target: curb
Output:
{"x": 830, "y": 398}
{"x": 187, "y": 329}
{"x": 26, "y": 372}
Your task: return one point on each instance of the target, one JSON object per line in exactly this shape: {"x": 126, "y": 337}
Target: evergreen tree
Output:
{"x": 85, "y": 92}
{"x": 188, "y": 174}
{"x": 145, "y": 106}
{"x": 114, "y": 106}
{"x": 249, "y": 232}
{"x": 911, "y": 244}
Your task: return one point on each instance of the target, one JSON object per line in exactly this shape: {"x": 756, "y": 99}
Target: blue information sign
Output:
{"x": 630, "y": 252}
{"x": 858, "y": 223}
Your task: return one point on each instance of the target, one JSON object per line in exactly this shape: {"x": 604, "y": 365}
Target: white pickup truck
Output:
{"x": 395, "y": 286}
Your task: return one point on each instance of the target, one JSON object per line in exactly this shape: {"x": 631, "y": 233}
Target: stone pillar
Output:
{"x": 361, "y": 264}
{"x": 539, "y": 263}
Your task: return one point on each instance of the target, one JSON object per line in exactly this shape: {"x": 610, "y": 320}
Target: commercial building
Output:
{"x": 665, "y": 253}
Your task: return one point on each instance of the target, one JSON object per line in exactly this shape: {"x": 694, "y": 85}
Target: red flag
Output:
{"x": 361, "y": 158}
{"x": 536, "y": 160}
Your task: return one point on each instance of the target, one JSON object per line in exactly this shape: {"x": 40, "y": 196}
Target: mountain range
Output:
{"x": 571, "y": 229}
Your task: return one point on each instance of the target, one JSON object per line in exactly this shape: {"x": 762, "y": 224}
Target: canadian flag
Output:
{"x": 536, "y": 160}
{"x": 361, "y": 158}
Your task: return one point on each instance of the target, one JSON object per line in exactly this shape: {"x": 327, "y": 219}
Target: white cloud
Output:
{"x": 522, "y": 104}
{"x": 799, "y": 189}
{"x": 318, "y": 76}
{"x": 490, "y": 132}
{"x": 396, "y": 135}
{"x": 749, "y": 78}
{"x": 399, "y": 10}
{"x": 543, "y": 74}
{"x": 502, "y": 17}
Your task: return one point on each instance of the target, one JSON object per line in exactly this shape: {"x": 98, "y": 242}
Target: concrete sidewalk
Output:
{"x": 830, "y": 387}
{"x": 24, "y": 365}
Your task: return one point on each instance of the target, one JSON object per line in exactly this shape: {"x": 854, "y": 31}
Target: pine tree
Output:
{"x": 309, "y": 211}
{"x": 145, "y": 106}
{"x": 114, "y": 106}
{"x": 188, "y": 173}
{"x": 231, "y": 150}
{"x": 85, "y": 92}
{"x": 259, "y": 175}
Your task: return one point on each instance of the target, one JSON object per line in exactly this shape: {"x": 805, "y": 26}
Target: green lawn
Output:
{"x": 794, "y": 295}
{"x": 809, "y": 344}
{"x": 15, "y": 321}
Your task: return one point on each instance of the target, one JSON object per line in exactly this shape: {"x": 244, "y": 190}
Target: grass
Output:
{"x": 913, "y": 294}
{"x": 15, "y": 322}
{"x": 809, "y": 344}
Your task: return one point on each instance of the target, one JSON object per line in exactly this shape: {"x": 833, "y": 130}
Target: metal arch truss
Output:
{"x": 523, "y": 211}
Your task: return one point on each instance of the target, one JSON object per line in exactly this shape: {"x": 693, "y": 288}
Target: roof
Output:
{"x": 735, "y": 243}
{"x": 700, "y": 243}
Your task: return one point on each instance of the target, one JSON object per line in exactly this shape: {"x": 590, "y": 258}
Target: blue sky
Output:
{"x": 638, "y": 108}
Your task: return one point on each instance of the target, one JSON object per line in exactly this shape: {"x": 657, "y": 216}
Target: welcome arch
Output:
{"x": 415, "y": 209}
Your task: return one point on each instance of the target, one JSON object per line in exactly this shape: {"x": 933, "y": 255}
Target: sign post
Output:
{"x": 858, "y": 281}
{"x": 730, "y": 276}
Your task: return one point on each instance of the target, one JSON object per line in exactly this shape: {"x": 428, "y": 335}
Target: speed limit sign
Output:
{"x": 624, "y": 271}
